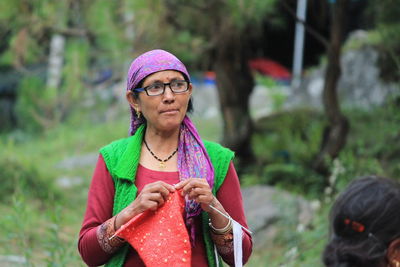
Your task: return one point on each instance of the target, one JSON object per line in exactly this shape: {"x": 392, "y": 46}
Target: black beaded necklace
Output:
{"x": 162, "y": 161}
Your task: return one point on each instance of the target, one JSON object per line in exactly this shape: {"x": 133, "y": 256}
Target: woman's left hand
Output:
{"x": 198, "y": 190}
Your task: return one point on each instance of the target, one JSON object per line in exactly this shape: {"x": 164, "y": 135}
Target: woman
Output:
{"x": 163, "y": 154}
{"x": 365, "y": 225}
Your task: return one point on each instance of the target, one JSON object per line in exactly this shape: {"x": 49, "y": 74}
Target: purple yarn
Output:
{"x": 193, "y": 160}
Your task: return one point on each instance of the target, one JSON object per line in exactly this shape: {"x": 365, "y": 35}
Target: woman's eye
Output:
{"x": 156, "y": 87}
{"x": 178, "y": 84}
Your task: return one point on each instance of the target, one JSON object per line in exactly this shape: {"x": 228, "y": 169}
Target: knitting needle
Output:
{"x": 229, "y": 218}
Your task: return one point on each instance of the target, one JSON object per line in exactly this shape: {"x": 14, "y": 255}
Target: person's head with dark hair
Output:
{"x": 365, "y": 225}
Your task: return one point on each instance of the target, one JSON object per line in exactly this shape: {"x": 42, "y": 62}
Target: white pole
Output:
{"x": 56, "y": 60}
{"x": 299, "y": 43}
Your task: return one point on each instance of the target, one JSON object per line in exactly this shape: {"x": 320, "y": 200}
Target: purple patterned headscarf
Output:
{"x": 193, "y": 160}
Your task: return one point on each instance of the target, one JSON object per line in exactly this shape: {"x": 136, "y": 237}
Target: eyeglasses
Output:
{"x": 158, "y": 88}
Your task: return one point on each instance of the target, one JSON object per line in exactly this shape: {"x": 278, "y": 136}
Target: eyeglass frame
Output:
{"x": 164, "y": 84}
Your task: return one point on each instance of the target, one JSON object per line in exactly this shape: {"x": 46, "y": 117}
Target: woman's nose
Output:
{"x": 168, "y": 95}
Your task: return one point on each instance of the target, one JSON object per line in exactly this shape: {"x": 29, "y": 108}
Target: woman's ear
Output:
{"x": 132, "y": 100}
{"x": 393, "y": 253}
{"x": 190, "y": 88}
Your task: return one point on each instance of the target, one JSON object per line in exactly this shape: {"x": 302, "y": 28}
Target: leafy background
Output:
{"x": 40, "y": 219}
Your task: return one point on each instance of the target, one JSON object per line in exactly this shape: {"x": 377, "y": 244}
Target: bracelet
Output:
{"x": 115, "y": 222}
{"x": 104, "y": 232}
{"x": 221, "y": 231}
{"x": 114, "y": 226}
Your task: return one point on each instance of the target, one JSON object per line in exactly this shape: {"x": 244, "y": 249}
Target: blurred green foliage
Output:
{"x": 105, "y": 21}
{"x": 285, "y": 144}
{"x": 385, "y": 15}
{"x": 94, "y": 34}
{"x": 194, "y": 29}
{"x": 24, "y": 26}
{"x": 389, "y": 59}
{"x": 252, "y": 12}
{"x": 20, "y": 176}
{"x": 373, "y": 146}
{"x": 32, "y": 99}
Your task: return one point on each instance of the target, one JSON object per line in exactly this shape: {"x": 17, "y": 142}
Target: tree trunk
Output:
{"x": 335, "y": 133}
{"x": 235, "y": 84}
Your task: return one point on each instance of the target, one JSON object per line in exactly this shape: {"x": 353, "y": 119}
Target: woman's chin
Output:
{"x": 171, "y": 124}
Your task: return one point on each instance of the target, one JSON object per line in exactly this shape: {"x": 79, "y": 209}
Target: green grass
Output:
{"x": 45, "y": 230}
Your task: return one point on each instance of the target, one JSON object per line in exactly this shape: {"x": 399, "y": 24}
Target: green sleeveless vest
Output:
{"x": 122, "y": 158}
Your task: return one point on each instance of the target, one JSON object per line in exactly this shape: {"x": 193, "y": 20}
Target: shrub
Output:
{"x": 293, "y": 177}
{"x": 285, "y": 144}
{"x": 22, "y": 177}
{"x": 30, "y": 98}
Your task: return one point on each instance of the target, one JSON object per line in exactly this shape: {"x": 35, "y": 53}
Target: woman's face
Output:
{"x": 164, "y": 112}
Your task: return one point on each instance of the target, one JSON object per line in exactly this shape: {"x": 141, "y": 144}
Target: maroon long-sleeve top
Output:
{"x": 100, "y": 206}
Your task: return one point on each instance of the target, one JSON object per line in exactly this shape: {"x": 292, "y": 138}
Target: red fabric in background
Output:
{"x": 270, "y": 68}
{"x": 152, "y": 231}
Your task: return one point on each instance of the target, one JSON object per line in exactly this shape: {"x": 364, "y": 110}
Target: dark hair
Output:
{"x": 364, "y": 220}
{"x": 190, "y": 104}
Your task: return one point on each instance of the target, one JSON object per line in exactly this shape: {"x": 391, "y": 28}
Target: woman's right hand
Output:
{"x": 151, "y": 197}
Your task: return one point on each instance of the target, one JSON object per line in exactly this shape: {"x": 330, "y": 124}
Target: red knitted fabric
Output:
{"x": 160, "y": 237}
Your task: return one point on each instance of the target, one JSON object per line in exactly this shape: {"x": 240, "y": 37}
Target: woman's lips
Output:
{"x": 169, "y": 112}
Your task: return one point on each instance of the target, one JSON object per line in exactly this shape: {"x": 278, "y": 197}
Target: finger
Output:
{"x": 203, "y": 199}
{"x": 152, "y": 205}
{"x": 199, "y": 182}
{"x": 194, "y": 183}
{"x": 200, "y": 200}
{"x": 156, "y": 197}
{"x": 159, "y": 187}
{"x": 186, "y": 189}
{"x": 163, "y": 185}
{"x": 169, "y": 187}
{"x": 147, "y": 204}
{"x": 163, "y": 191}
{"x": 187, "y": 186}
{"x": 202, "y": 191}
{"x": 181, "y": 184}
{"x": 193, "y": 192}
{"x": 189, "y": 180}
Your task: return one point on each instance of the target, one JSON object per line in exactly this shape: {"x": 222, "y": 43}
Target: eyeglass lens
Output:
{"x": 178, "y": 86}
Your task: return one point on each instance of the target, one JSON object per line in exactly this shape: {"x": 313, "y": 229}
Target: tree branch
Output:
{"x": 324, "y": 41}
{"x": 71, "y": 31}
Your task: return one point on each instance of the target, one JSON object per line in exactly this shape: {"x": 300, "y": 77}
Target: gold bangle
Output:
{"x": 114, "y": 227}
{"x": 221, "y": 231}
{"x": 115, "y": 222}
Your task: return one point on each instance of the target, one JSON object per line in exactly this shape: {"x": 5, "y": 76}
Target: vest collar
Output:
{"x": 127, "y": 166}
